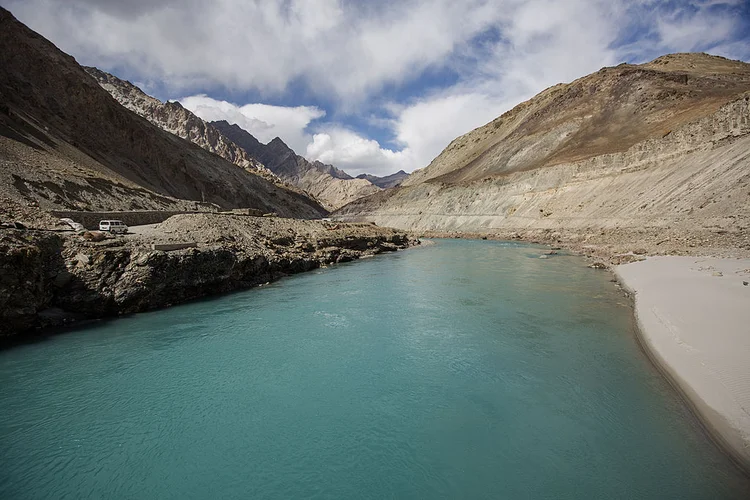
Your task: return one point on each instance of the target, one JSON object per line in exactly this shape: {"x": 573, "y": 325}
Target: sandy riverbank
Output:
{"x": 694, "y": 320}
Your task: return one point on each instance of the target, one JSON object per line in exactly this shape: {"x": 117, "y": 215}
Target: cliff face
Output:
{"x": 66, "y": 143}
{"x": 331, "y": 186}
{"x": 628, "y": 151}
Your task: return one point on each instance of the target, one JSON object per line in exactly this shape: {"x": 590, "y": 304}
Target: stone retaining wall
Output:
{"x": 90, "y": 220}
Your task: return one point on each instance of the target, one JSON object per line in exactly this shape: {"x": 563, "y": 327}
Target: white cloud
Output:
{"x": 263, "y": 121}
{"x": 688, "y": 33}
{"x": 427, "y": 126}
{"x": 356, "y": 154}
{"x": 345, "y": 49}
{"x": 328, "y": 143}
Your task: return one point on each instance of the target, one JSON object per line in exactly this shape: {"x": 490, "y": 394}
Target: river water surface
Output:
{"x": 466, "y": 369}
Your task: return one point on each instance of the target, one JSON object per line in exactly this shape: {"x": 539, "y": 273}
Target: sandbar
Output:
{"x": 694, "y": 321}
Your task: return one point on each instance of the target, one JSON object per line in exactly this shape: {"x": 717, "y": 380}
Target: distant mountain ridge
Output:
{"x": 66, "y": 143}
{"x": 276, "y": 161}
{"x": 387, "y": 181}
{"x": 334, "y": 188}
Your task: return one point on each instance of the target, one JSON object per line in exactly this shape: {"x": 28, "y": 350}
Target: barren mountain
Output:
{"x": 172, "y": 117}
{"x": 661, "y": 148}
{"x": 331, "y": 186}
{"x": 387, "y": 181}
{"x": 66, "y": 143}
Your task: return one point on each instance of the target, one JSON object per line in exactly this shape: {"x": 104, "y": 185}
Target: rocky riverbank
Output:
{"x": 608, "y": 248}
{"x": 55, "y": 278}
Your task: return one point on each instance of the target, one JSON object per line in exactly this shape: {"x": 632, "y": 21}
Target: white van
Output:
{"x": 113, "y": 226}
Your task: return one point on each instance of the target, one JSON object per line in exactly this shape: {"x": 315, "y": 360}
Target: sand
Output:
{"x": 694, "y": 320}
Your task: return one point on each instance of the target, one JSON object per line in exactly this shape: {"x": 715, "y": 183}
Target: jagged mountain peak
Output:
{"x": 279, "y": 146}
{"x": 277, "y": 141}
{"x": 333, "y": 187}
{"x": 174, "y": 118}
{"x": 331, "y": 170}
{"x": 387, "y": 181}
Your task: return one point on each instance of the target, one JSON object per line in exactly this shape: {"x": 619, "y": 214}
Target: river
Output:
{"x": 465, "y": 369}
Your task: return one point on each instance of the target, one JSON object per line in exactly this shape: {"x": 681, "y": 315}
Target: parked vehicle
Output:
{"x": 113, "y": 226}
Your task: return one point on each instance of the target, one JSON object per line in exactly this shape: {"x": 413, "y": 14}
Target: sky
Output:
{"x": 373, "y": 86}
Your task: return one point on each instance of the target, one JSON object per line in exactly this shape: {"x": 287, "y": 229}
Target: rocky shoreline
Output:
{"x": 609, "y": 248}
{"x": 52, "y": 278}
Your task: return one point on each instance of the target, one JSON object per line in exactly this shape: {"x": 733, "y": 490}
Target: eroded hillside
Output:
{"x": 173, "y": 118}
{"x": 658, "y": 152}
{"x": 605, "y": 112}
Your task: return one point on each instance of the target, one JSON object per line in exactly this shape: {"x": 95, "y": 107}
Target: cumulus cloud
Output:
{"x": 263, "y": 121}
{"x": 687, "y": 33}
{"x": 355, "y": 154}
{"x": 346, "y": 49}
{"x": 367, "y": 58}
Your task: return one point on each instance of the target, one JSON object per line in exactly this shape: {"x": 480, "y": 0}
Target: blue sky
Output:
{"x": 373, "y": 86}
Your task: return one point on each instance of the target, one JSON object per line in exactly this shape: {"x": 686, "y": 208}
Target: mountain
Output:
{"x": 66, "y": 143}
{"x": 606, "y": 112}
{"x": 386, "y": 182}
{"x": 661, "y": 148}
{"x": 173, "y": 118}
{"x": 331, "y": 186}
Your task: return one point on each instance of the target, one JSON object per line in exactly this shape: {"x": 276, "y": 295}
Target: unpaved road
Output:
{"x": 147, "y": 230}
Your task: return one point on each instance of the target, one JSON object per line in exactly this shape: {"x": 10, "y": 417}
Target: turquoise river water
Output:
{"x": 466, "y": 369}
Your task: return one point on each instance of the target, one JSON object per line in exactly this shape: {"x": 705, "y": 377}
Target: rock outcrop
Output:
{"x": 658, "y": 151}
{"x": 66, "y": 143}
{"x": 54, "y": 278}
{"x": 331, "y": 186}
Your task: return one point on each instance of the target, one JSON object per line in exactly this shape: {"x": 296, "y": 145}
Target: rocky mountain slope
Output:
{"x": 66, "y": 143}
{"x": 173, "y": 118}
{"x": 331, "y": 186}
{"x": 387, "y": 181}
{"x": 632, "y": 155}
